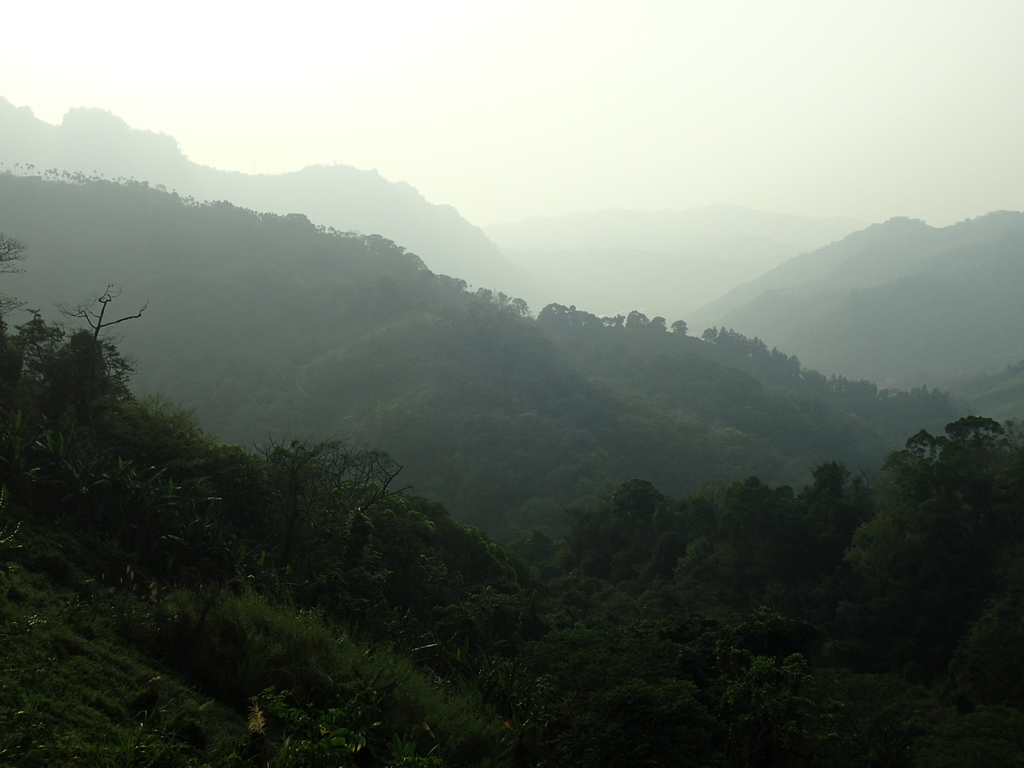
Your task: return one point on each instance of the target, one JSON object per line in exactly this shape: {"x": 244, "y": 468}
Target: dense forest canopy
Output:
{"x": 167, "y": 599}
{"x": 270, "y": 325}
{"x": 299, "y": 469}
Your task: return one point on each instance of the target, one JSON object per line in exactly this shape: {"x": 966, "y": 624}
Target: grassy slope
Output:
{"x": 74, "y": 690}
{"x": 102, "y": 669}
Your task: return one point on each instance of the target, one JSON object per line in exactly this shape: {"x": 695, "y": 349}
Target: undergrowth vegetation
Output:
{"x": 166, "y": 600}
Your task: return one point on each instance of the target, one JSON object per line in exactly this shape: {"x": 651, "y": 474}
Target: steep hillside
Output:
{"x": 272, "y": 327}
{"x": 166, "y": 600}
{"x": 1000, "y": 393}
{"x": 899, "y": 301}
{"x": 92, "y": 142}
{"x": 888, "y": 247}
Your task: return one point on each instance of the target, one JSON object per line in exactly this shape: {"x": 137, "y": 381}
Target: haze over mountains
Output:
{"x": 666, "y": 263}
{"x": 181, "y": 555}
{"x": 454, "y": 385}
{"x": 92, "y": 141}
{"x": 896, "y": 302}
{"x": 269, "y": 327}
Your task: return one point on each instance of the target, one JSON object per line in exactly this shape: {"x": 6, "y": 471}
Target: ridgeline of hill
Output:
{"x": 271, "y": 327}
{"x": 95, "y": 142}
{"x": 899, "y": 301}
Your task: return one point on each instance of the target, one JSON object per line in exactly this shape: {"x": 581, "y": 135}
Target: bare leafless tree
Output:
{"x": 95, "y": 319}
{"x": 97, "y": 356}
{"x": 323, "y": 485}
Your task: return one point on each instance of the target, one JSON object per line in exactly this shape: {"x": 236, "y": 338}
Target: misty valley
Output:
{"x": 303, "y": 470}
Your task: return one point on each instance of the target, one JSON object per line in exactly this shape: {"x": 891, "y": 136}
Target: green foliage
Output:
{"x": 346, "y": 734}
{"x": 11, "y": 250}
{"x": 331, "y": 736}
{"x": 160, "y": 583}
{"x": 65, "y": 375}
{"x": 868, "y": 719}
{"x": 495, "y": 415}
{"x": 323, "y": 489}
{"x": 241, "y": 645}
{"x": 614, "y": 541}
{"x": 616, "y": 697}
{"x": 159, "y": 433}
{"x": 926, "y": 561}
{"x": 989, "y": 736}
{"x": 7, "y": 535}
{"x": 769, "y": 715}
{"x": 74, "y": 692}
{"x": 988, "y": 668}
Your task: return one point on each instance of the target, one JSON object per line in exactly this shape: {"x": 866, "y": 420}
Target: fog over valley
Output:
{"x": 464, "y": 385}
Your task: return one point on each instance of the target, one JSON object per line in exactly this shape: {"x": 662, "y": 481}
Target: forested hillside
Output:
{"x": 271, "y": 327}
{"x": 1000, "y": 393}
{"x": 683, "y": 465}
{"x": 95, "y": 142}
{"x": 166, "y": 600}
{"x": 899, "y": 301}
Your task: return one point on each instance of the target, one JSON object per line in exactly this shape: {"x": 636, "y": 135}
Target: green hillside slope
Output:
{"x": 169, "y": 600}
{"x": 899, "y": 301}
{"x": 95, "y": 142}
{"x": 270, "y": 326}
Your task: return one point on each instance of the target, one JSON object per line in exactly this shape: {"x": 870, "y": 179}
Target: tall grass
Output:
{"x": 235, "y": 645}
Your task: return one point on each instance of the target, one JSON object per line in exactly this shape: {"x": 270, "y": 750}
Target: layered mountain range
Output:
{"x": 666, "y": 263}
{"x": 271, "y": 327}
{"x": 288, "y": 322}
{"x": 95, "y": 142}
{"x": 897, "y": 302}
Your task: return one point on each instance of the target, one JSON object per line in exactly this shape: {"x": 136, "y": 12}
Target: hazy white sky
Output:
{"x": 513, "y": 109}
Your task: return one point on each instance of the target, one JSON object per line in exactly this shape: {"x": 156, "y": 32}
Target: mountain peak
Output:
{"x": 96, "y": 141}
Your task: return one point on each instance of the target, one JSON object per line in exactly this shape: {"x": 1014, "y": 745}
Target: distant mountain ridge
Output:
{"x": 900, "y": 301}
{"x": 895, "y": 243}
{"x": 668, "y": 230}
{"x": 92, "y": 141}
{"x": 667, "y": 263}
{"x": 267, "y": 325}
